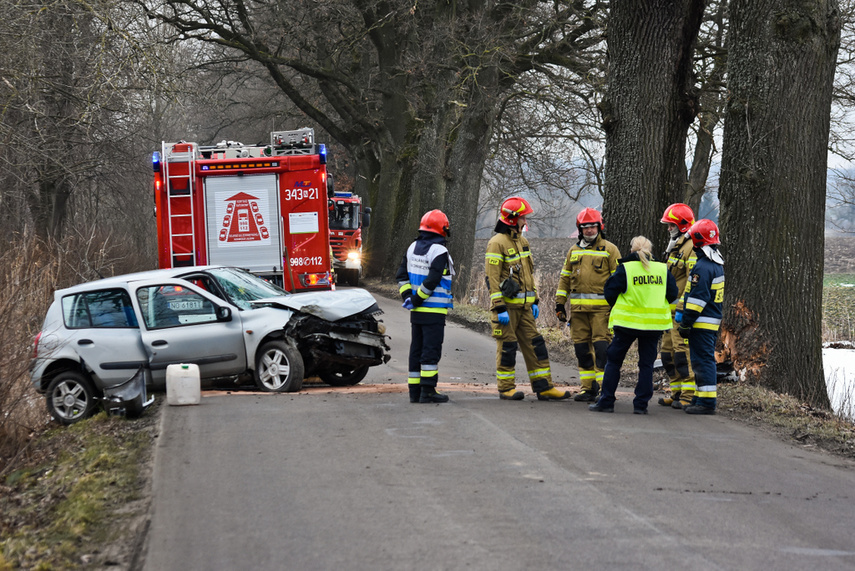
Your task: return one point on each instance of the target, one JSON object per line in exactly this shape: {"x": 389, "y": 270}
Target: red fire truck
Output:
{"x": 347, "y": 220}
{"x": 262, "y": 208}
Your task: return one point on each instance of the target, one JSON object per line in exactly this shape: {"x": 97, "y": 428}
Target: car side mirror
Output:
{"x": 224, "y": 314}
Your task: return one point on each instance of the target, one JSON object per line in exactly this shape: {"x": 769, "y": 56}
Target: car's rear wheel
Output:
{"x": 71, "y": 397}
{"x": 344, "y": 378}
{"x": 278, "y": 367}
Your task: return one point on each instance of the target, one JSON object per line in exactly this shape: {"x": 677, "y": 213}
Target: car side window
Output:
{"x": 99, "y": 309}
{"x": 172, "y": 306}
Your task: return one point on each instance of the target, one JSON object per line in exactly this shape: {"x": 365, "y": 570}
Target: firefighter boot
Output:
{"x": 415, "y": 392}
{"x": 553, "y": 394}
{"x": 588, "y": 395}
{"x": 429, "y": 394}
{"x": 698, "y": 409}
{"x": 686, "y": 399}
{"x": 670, "y": 400}
{"x": 511, "y": 394}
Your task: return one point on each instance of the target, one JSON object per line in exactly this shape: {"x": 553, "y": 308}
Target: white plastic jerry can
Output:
{"x": 183, "y": 385}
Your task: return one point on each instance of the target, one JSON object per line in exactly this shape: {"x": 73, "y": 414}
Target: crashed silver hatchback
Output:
{"x": 110, "y": 340}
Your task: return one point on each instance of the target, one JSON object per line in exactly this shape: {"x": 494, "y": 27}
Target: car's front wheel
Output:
{"x": 278, "y": 367}
{"x": 344, "y": 378}
{"x": 71, "y": 397}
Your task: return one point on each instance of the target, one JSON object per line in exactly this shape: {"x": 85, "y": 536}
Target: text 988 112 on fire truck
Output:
{"x": 263, "y": 208}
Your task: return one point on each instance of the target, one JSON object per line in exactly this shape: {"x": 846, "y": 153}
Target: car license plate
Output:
{"x": 185, "y": 305}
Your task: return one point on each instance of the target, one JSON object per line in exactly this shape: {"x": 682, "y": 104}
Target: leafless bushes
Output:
{"x": 30, "y": 271}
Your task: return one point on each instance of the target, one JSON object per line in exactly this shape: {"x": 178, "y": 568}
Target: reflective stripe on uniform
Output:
{"x": 538, "y": 373}
{"x": 706, "y": 391}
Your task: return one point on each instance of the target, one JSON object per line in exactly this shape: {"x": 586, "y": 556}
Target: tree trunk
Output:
{"x": 781, "y": 67}
{"x": 647, "y": 113}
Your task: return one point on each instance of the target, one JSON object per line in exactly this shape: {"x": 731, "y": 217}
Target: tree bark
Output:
{"x": 782, "y": 57}
{"x": 647, "y": 112}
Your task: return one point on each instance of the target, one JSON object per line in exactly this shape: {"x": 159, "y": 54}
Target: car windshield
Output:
{"x": 242, "y": 287}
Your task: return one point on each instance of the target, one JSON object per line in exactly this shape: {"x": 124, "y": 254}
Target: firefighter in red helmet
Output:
{"x": 424, "y": 280}
{"x": 514, "y": 305}
{"x": 702, "y": 311}
{"x": 588, "y": 265}
{"x": 680, "y": 257}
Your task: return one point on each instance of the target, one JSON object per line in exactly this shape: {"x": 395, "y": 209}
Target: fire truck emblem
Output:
{"x": 243, "y": 222}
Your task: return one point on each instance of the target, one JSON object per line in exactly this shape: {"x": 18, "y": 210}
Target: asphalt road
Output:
{"x": 362, "y": 479}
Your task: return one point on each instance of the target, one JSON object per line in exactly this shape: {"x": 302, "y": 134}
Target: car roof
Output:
{"x": 123, "y": 279}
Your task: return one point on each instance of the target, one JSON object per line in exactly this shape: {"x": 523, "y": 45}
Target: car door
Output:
{"x": 182, "y": 324}
{"x": 104, "y": 332}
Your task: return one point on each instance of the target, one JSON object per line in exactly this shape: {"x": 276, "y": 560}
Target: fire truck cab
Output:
{"x": 347, "y": 219}
{"x": 263, "y": 208}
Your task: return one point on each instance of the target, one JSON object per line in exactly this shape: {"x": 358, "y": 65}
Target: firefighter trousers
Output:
{"x": 427, "y": 335}
{"x": 521, "y": 333}
{"x": 678, "y": 366}
{"x": 590, "y": 333}
{"x": 702, "y": 348}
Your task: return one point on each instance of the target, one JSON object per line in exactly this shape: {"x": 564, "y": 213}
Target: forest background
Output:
{"x": 742, "y": 109}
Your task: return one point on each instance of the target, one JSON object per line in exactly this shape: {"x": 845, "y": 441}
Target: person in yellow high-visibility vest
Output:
{"x": 639, "y": 293}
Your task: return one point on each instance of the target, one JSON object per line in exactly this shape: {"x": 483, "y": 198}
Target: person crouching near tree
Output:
{"x": 424, "y": 280}
{"x": 640, "y": 293}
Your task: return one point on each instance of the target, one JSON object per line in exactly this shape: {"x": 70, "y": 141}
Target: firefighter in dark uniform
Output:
{"x": 640, "y": 293}
{"x": 701, "y": 316}
{"x": 424, "y": 280}
{"x": 588, "y": 265}
{"x": 514, "y": 305}
{"x": 680, "y": 257}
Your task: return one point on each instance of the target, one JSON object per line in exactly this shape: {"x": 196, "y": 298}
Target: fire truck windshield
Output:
{"x": 344, "y": 217}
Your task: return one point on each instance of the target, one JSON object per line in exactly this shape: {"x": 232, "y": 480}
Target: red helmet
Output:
{"x": 513, "y": 208}
{"x": 704, "y": 233}
{"x": 589, "y": 216}
{"x": 435, "y": 221}
{"x": 679, "y": 214}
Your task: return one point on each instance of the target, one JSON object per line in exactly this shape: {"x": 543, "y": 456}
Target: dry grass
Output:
{"x": 30, "y": 272}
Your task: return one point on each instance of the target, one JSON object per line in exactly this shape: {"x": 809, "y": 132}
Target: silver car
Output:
{"x": 109, "y": 339}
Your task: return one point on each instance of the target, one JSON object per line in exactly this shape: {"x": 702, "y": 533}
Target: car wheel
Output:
{"x": 71, "y": 397}
{"x": 278, "y": 368}
{"x": 344, "y": 379}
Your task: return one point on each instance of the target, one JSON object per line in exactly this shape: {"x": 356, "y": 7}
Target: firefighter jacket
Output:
{"x": 425, "y": 274}
{"x": 508, "y": 261}
{"x": 584, "y": 275}
{"x": 640, "y": 297}
{"x": 704, "y": 294}
{"x": 681, "y": 259}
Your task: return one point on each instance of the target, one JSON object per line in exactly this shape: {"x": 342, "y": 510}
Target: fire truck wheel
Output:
{"x": 344, "y": 379}
{"x": 71, "y": 397}
{"x": 278, "y": 367}
{"x": 353, "y": 277}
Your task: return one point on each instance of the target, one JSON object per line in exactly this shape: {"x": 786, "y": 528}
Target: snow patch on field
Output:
{"x": 839, "y": 367}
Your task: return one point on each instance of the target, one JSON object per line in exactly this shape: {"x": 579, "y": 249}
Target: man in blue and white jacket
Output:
{"x": 424, "y": 280}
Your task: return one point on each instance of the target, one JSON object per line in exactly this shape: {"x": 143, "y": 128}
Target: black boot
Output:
{"x": 429, "y": 394}
{"x": 415, "y": 392}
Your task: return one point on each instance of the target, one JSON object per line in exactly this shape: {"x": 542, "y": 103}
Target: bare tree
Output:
{"x": 781, "y": 65}
{"x": 411, "y": 90}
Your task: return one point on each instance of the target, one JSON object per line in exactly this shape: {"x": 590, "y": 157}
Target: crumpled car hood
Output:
{"x": 329, "y": 305}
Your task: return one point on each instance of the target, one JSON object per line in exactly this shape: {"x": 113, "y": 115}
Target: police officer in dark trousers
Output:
{"x": 701, "y": 316}
{"x": 639, "y": 293}
{"x": 424, "y": 280}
